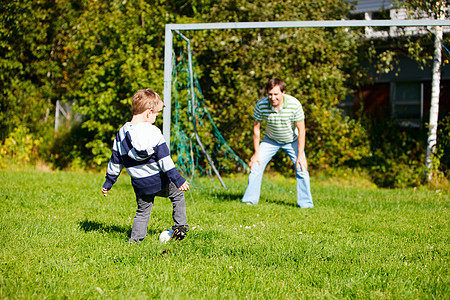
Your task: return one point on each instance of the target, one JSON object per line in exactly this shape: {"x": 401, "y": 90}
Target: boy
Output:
{"x": 140, "y": 147}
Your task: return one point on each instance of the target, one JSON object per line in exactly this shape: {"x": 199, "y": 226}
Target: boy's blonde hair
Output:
{"x": 145, "y": 99}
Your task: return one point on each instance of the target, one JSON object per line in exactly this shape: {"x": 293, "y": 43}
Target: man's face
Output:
{"x": 276, "y": 97}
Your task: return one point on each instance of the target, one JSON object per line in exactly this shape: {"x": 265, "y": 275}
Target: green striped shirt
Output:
{"x": 280, "y": 124}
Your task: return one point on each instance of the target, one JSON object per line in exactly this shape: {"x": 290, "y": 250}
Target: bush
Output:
{"x": 443, "y": 145}
{"x": 20, "y": 147}
{"x": 70, "y": 151}
{"x": 332, "y": 141}
{"x": 398, "y": 172}
{"x": 398, "y": 154}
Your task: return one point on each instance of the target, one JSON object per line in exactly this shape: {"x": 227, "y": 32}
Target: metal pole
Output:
{"x": 167, "y": 85}
{"x": 57, "y": 116}
{"x": 252, "y": 25}
{"x": 304, "y": 24}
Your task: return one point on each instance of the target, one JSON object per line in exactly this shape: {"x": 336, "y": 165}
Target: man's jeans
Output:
{"x": 267, "y": 149}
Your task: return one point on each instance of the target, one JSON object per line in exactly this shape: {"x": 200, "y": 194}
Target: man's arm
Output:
{"x": 301, "y": 159}
{"x": 256, "y": 139}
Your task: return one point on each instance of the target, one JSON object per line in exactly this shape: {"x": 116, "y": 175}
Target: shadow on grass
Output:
{"x": 87, "y": 226}
{"x": 226, "y": 195}
{"x": 281, "y": 202}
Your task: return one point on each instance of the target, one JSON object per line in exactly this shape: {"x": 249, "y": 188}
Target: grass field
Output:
{"x": 60, "y": 238}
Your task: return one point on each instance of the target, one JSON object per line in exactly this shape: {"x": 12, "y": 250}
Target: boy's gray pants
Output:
{"x": 145, "y": 204}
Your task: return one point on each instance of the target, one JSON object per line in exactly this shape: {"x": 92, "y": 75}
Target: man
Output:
{"x": 285, "y": 129}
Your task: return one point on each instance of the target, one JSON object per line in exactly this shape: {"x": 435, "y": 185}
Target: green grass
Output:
{"x": 60, "y": 238}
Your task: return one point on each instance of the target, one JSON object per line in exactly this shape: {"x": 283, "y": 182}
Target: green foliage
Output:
{"x": 20, "y": 146}
{"x": 33, "y": 36}
{"x": 416, "y": 47}
{"x": 335, "y": 140}
{"x": 24, "y": 147}
{"x": 96, "y": 54}
{"x": 62, "y": 239}
{"x": 28, "y": 70}
{"x": 69, "y": 150}
{"x": 235, "y": 65}
{"x": 117, "y": 48}
{"x": 422, "y": 9}
{"x": 398, "y": 154}
{"x": 443, "y": 145}
{"x": 196, "y": 141}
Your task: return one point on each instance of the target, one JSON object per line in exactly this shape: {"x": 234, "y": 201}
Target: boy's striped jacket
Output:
{"x": 142, "y": 150}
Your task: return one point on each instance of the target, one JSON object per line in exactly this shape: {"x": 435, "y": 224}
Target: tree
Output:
{"x": 116, "y": 48}
{"x": 235, "y": 64}
{"x": 435, "y": 90}
{"x": 32, "y": 55}
{"x": 29, "y": 72}
{"x": 437, "y": 10}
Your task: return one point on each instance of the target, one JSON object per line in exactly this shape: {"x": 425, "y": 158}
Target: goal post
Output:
{"x": 170, "y": 28}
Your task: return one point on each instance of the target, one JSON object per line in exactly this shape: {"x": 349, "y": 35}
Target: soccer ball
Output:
{"x": 165, "y": 236}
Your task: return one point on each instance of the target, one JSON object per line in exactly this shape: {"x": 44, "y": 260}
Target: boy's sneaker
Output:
{"x": 179, "y": 232}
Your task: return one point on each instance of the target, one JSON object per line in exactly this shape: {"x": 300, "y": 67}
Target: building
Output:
{"x": 404, "y": 93}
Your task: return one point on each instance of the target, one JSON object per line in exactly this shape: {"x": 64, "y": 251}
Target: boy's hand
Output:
{"x": 184, "y": 187}
{"x": 105, "y": 192}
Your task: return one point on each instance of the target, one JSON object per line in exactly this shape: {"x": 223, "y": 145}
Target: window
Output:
{"x": 407, "y": 103}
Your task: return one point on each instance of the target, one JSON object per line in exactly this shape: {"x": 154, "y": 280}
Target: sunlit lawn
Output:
{"x": 61, "y": 239}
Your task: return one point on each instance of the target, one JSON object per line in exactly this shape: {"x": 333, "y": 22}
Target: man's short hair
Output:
{"x": 275, "y": 82}
{"x": 145, "y": 99}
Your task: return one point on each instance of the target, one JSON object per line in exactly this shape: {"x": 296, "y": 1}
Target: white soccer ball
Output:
{"x": 165, "y": 236}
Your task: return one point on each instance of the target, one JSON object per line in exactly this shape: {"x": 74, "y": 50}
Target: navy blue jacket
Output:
{"x": 142, "y": 150}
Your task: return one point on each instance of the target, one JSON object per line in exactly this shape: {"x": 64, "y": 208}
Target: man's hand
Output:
{"x": 105, "y": 192}
{"x": 256, "y": 136}
{"x": 184, "y": 186}
{"x": 301, "y": 161}
{"x": 254, "y": 159}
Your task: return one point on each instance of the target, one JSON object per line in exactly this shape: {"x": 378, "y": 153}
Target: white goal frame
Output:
{"x": 168, "y": 47}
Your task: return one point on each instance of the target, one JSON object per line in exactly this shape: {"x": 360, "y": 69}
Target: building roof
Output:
{"x": 362, "y": 6}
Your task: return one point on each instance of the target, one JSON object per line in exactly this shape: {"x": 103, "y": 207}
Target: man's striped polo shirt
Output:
{"x": 280, "y": 124}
